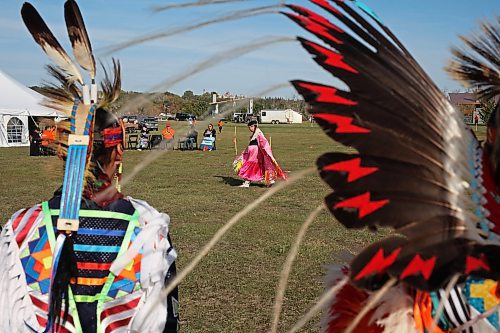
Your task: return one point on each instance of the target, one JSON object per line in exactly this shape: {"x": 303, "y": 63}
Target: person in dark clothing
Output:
{"x": 35, "y": 142}
{"x": 210, "y": 132}
{"x": 209, "y": 137}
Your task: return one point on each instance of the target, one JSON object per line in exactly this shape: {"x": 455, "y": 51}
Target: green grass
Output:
{"x": 233, "y": 289}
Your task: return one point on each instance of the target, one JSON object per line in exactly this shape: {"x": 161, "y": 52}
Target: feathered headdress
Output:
{"x": 80, "y": 102}
{"x": 417, "y": 168}
{"x": 478, "y": 66}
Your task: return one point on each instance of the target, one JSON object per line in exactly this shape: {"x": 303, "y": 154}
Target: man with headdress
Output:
{"x": 89, "y": 259}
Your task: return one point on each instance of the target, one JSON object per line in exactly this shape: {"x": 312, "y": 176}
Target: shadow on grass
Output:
{"x": 231, "y": 181}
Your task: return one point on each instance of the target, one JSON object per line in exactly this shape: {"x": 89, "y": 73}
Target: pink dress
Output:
{"x": 257, "y": 162}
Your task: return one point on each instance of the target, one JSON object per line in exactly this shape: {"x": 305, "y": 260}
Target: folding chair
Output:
{"x": 195, "y": 143}
{"x": 154, "y": 141}
{"x": 181, "y": 144}
{"x": 133, "y": 141}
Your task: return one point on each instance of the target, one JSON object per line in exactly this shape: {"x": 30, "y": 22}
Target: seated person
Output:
{"x": 191, "y": 138}
{"x": 209, "y": 136}
{"x": 143, "y": 138}
{"x": 168, "y": 135}
{"x": 210, "y": 132}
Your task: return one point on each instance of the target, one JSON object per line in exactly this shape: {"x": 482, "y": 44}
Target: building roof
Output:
{"x": 18, "y": 100}
{"x": 463, "y": 98}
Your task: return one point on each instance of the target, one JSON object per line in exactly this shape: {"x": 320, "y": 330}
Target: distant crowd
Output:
{"x": 139, "y": 138}
{"x": 41, "y": 141}
{"x": 167, "y": 139}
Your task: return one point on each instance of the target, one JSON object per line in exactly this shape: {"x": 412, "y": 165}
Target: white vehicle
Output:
{"x": 280, "y": 117}
{"x": 242, "y": 117}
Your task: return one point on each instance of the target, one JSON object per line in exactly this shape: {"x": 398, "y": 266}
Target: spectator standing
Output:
{"x": 35, "y": 141}
{"x": 220, "y": 124}
{"x": 46, "y": 135}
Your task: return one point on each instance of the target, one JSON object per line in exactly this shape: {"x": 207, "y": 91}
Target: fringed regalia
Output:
{"x": 89, "y": 259}
{"x": 257, "y": 162}
{"x": 417, "y": 169}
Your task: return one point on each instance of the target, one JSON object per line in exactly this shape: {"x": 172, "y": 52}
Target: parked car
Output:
{"x": 131, "y": 128}
{"x": 130, "y": 119}
{"x": 243, "y": 117}
{"x": 184, "y": 116}
{"x": 151, "y": 123}
{"x": 167, "y": 117}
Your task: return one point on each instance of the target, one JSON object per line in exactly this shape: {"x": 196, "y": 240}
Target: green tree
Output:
{"x": 188, "y": 94}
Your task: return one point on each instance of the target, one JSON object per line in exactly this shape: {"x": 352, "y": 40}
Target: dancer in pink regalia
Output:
{"x": 257, "y": 162}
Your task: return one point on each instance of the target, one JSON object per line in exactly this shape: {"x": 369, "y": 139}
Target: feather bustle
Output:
{"x": 393, "y": 111}
{"x": 478, "y": 65}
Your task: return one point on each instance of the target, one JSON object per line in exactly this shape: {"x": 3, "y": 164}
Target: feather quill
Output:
{"x": 82, "y": 49}
{"x": 44, "y": 37}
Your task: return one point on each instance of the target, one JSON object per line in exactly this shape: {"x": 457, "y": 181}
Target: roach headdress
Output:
{"x": 88, "y": 126}
{"x": 417, "y": 168}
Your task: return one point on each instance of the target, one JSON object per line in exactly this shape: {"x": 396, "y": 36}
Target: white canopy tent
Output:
{"x": 17, "y": 104}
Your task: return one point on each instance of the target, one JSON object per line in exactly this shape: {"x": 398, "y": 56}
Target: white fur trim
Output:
{"x": 157, "y": 256}
{"x": 17, "y": 313}
{"x": 397, "y": 308}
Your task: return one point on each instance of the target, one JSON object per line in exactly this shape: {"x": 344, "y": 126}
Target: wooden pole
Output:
{"x": 271, "y": 141}
{"x": 235, "y": 143}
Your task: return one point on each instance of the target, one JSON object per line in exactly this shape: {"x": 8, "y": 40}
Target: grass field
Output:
{"x": 233, "y": 289}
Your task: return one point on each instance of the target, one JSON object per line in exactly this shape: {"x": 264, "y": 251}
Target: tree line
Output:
{"x": 189, "y": 102}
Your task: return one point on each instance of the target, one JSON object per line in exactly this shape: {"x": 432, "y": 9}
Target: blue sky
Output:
{"x": 428, "y": 29}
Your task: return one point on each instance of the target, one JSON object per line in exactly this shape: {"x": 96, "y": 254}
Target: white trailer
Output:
{"x": 280, "y": 117}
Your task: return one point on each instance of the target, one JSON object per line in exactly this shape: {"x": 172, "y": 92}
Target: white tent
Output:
{"x": 17, "y": 103}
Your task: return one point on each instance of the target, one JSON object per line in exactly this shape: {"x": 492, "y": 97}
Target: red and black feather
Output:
{"x": 417, "y": 167}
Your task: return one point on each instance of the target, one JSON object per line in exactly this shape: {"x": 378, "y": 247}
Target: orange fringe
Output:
{"x": 422, "y": 312}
